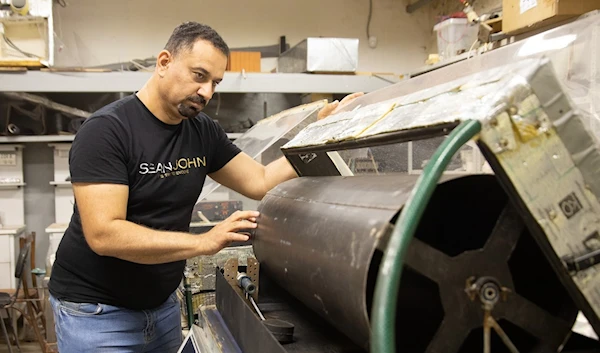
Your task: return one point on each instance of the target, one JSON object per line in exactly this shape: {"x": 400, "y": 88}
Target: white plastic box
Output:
{"x": 455, "y": 36}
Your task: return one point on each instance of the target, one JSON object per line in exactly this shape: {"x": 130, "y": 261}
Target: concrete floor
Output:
{"x": 26, "y": 347}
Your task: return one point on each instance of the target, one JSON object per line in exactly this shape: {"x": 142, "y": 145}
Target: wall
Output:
{"x": 446, "y": 7}
{"x": 439, "y": 9}
{"x": 38, "y": 171}
{"x": 100, "y": 32}
{"x": 90, "y": 33}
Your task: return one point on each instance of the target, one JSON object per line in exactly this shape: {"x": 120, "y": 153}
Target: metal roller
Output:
{"x": 473, "y": 267}
{"x": 317, "y": 237}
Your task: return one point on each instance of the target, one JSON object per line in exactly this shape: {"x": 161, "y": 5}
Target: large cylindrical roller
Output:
{"x": 322, "y": 239}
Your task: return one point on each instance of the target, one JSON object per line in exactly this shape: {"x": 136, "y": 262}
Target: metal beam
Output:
{"x": 233, "y": 82}
{"x": 48, "y": 103}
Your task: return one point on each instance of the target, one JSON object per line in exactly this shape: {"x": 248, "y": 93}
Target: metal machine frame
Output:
{"x": 535, "y": 139}
{"x": 505, "y": 144}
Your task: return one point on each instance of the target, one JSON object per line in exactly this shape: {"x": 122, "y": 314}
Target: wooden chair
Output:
{"x": 8, "y": 300}
{"x": 31, "y": 297}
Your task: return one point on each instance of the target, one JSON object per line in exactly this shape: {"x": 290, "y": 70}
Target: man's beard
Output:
{"x": 188, "y": 110}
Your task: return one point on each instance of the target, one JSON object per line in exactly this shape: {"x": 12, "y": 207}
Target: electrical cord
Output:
{"x": 369, "y": 18}
{"x": 13, "y": 46}
{"x": 383, "y": 323}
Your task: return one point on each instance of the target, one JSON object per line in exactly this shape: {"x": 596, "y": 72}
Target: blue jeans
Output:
{"x": 105, "y": 328}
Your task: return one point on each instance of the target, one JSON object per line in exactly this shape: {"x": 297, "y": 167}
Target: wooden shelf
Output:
{"x": 38, "y": 138}
{"x": 12, "y": 230}
{"x": 57, "y": 228}
{"x": 61, "y": 183}
{"x": 11, "y": 185}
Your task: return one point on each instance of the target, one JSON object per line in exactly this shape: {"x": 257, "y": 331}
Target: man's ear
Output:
{"x": 163, "y": 61}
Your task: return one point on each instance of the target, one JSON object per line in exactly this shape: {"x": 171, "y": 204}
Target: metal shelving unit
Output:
{"x": 233, "y": 82}
{"x": 63, "y": 138}
{"x": 129, "y": 81}
{"x": 36, "y": 138}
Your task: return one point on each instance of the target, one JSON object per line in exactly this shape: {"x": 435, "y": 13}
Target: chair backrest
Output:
{"x": 22, "y": 241}
{"x": 20, "y": 267}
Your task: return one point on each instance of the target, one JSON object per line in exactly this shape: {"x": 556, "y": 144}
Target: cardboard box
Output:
{"x": 244, "y": 61}
{"x": 523, "y": 15}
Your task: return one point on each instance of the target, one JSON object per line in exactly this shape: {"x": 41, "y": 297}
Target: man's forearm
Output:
{"x": 277, "y": 172}
{"x": 132, "y": 242}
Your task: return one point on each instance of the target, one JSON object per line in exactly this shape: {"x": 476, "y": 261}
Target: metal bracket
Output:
{"x": 253, "y": 271}
{"x": 498, "y": 133}
{"x": 230, "y": 272}
{"x": 583, "y": 261}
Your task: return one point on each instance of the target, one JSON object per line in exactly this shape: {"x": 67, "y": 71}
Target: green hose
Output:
{"x": 383, "y": 338}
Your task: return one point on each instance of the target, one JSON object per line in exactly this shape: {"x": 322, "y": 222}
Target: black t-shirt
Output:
{"x": 165, "y": 167}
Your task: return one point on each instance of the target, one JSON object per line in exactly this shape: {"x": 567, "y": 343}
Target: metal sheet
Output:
{"x": 266, "y": 133}
{"x": 551, "y": 162}
{"x": 311, "y": 333}
{"x": 320, "y": 55}
{"x": 316, "y": 238}
{"x": 252, "y": 336}
{"x": 479, "y": 96}
{"x": 212, "y": 334}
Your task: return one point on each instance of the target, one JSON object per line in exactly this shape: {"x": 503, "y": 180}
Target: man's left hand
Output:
{"x": 335, "y": 106}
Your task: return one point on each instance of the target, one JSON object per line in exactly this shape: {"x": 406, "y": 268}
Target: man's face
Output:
{"x": 188, "y": 80}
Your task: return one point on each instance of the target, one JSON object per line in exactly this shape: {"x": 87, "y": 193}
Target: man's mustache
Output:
{"x": 198, "y": 100}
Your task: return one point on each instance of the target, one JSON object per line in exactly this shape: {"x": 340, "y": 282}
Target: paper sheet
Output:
{"x": 528, "y": 5}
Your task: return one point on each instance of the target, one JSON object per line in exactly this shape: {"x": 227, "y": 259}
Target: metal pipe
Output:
{"x": 317, "y": 238}
{"x": 246, "y": 283}
{"x": 256, "y": 308}
{"x": 505, "y": 339}
{"x": 322, "y": 239}
{"x": 487, "y": 338}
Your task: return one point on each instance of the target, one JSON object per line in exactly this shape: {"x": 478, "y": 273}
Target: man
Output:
{"x": 137, "y": 168}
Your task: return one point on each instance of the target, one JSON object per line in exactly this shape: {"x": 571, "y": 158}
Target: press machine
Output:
{"x": 484, "y": 261}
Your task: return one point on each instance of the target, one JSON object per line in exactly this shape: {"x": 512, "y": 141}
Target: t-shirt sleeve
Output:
{"x": 223, "y": 149}
{"x": 98, "y": 153}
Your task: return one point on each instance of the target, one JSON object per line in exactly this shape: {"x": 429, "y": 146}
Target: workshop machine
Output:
{"x": 475, "y": 260}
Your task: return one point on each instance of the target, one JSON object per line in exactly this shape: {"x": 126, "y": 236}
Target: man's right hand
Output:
{"x": 226, "y": 232}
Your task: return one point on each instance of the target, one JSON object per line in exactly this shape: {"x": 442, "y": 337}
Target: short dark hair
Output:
{"x": 186, "y": 34}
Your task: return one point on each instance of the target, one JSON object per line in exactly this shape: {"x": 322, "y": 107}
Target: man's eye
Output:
{"x": 199, "y": 75}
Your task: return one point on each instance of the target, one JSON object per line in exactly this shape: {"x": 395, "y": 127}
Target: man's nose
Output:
{"x": 206, "y": 90}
